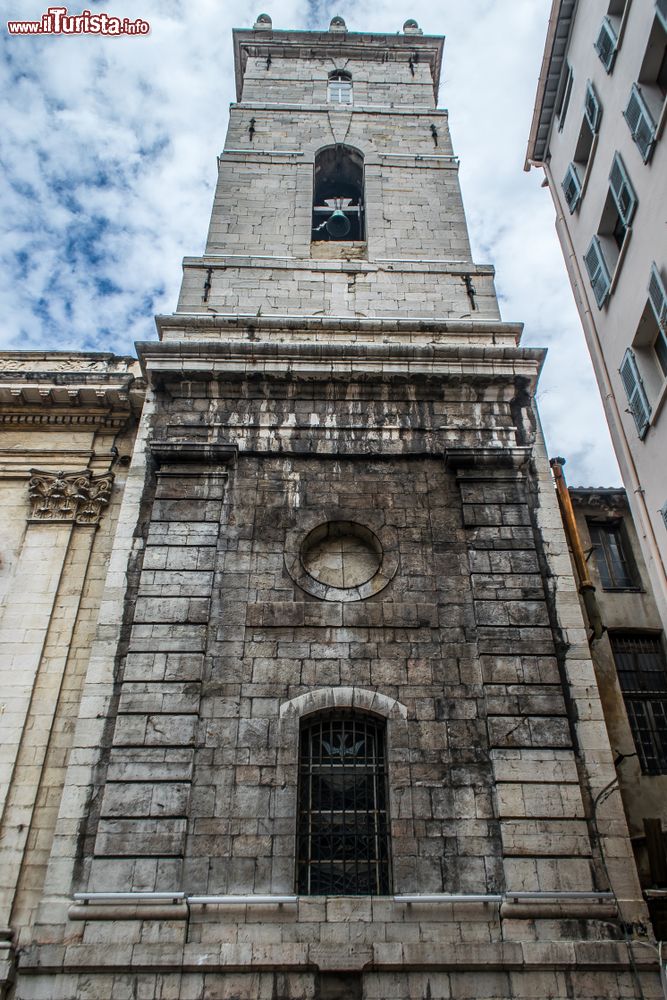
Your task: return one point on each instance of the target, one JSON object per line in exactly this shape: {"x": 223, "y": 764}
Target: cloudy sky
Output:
{"x": 108, "y": 149}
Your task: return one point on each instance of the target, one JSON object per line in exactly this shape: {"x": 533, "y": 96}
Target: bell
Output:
{"x": 338, "y": 225}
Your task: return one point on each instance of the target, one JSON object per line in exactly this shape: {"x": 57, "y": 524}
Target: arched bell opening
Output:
{"x": 338, "y": 195}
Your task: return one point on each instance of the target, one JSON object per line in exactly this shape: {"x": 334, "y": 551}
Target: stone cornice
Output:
{"x": 208, "y": 326}
{"x": 328, "y": 44}
{"x": 59, "y": 388}
{"x": 202, "y": 359}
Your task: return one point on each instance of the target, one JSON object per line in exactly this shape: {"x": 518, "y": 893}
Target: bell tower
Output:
{"x": 340, "y": 735}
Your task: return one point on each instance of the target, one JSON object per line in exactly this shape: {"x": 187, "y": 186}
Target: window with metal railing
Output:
{"x": 343, "y": 832}
{"x": 642, "y": 675}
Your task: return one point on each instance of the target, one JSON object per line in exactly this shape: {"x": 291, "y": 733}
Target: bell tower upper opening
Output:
{"x": 338, "y": 194}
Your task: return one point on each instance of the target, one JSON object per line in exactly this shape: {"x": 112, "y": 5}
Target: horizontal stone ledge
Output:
{"x": 390, "y": 614}
{"x": 594, "y": 956}
{"x": 294, "y": 322}
{"x": 189, "y": 451}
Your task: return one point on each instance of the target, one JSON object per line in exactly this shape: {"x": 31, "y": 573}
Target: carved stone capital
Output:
{"x": 68, "y": 497}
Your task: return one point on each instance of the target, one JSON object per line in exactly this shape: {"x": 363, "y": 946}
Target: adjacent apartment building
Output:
{"x": 628, "y": 653}
{"x": 597, "y": 132}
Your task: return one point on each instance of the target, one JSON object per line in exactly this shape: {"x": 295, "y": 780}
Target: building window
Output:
{"x": 343, "y": 838}
{"x": 610, "y": 548}
{"x": 647, "y": 97}
{"x": 340, "y": 88}
{"x": 640, "y": 408}
{"x": 338, "y": 194}
{"x": 585, "y": 147}
{"x": 563, "y": 95}
{"x": 605, "y": 253}
{"x": 642, "y": 674}
{"x": 661, "y": 11}
{"x": 657, "y": 297}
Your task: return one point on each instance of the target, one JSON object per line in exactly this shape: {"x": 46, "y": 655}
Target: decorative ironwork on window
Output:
{"x": 642, "y": 674}
{"x": 343, "y": 847}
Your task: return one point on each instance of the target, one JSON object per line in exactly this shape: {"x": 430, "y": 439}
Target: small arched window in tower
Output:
{"x": 340, "y": 87}
{"x": 338, "y": 196}
{"x": 342, "y": 839}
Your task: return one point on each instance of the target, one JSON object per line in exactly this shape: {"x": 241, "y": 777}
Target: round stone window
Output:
{"x": 341, "y": 560}
{"x": 341, "y": 554}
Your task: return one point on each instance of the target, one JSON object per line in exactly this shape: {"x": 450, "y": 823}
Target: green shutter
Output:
{"x": 661, "y": 11}
{"x": 657, "y": 296}
{"x": 571, "y": 187}
{"x": 640, "y": 123}
{"x": 592, "y": 108}
{"x": 605, "y": 44}
{"x": 634, "y": 390}
{"x": 622, "y": 190}
{"x": 597, "y": 272}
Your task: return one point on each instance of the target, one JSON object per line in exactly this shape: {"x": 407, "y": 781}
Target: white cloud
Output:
{"x": 109, "y": 149}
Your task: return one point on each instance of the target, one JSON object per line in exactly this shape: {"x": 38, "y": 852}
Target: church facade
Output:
{"x": 337, "y": 732}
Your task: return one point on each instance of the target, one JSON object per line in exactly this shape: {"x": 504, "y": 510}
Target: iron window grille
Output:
{"x": 613, "y": 564}
{"x": 342, "y": 837}
{"x": 606, "y": 44}
{"x": 640, "y": 122}
{"x": 640, "y": 663}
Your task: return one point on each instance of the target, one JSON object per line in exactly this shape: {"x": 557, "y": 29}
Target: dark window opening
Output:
{"x": 338, "y": 197}
{"x": 611, "y": 556}
{"x": 661, "y": 77}
{"x": 342, "y": 837}
{"x": 642, "y": 674}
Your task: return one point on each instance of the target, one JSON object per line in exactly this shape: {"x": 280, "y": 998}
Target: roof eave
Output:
{"x": 558, "y": 34}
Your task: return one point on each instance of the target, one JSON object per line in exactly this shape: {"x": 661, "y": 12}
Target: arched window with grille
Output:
{"x": 342, "y": 836}
{"x": 340, "y": 87}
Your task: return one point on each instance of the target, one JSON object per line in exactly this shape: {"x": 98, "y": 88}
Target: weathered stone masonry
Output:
{"x": 303, "y": 385}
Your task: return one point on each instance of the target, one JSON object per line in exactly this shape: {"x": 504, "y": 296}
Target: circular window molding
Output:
{"x": 342, "y": 560}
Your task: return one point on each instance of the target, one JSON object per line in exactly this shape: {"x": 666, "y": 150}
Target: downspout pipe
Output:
{"x": 586, "y": 585}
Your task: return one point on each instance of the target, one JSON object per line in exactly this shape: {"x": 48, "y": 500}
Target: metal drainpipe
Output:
{"x": 586, "y": 585}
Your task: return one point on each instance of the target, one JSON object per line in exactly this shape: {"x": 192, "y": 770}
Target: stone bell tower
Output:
{"x": 340, "y": 735}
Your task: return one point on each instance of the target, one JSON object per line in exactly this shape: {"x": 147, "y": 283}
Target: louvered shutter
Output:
{"x": 640, "y": 122}
{"x": 657, "y": 296}
{"x": 605, "y": 44}
{"x": 597, "y": 271}
{"x": 592, "y": 108}
{"x": 634, "y": 390}
{"x": 661, "y": 10}
{"x": 622, "y": 190}
{"x": 664, "y": 513}
{"x": 571, "y": 187}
